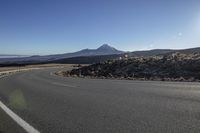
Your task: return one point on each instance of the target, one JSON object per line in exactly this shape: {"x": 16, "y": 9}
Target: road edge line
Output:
{"x": 27, "y": 127}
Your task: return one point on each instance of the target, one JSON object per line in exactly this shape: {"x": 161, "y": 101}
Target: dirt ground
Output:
{"x": 2, "y": 69}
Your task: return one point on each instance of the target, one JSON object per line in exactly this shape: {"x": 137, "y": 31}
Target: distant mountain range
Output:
{"x": 104, "y": 52}
{"x": 101, "y": 58}
{"x": 11, "y": 56}
{"x": 105, "y": 49}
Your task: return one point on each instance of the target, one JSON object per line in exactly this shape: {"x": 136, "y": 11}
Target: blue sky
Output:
{"x": 42, "y": 27}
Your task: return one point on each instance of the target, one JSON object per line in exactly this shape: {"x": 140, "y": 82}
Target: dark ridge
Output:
{"x": 86, "y": 59}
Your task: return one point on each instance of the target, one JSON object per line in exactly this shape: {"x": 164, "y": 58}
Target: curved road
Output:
{"x": 53, "y": 104}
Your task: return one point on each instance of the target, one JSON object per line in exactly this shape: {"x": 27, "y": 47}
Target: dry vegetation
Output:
{"x": 172, "y": 67}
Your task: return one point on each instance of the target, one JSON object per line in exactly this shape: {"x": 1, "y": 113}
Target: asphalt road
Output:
{"x": 55, "y": 104}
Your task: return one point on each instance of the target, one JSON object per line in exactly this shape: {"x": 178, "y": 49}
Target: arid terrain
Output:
{"x": 171, "y": 67}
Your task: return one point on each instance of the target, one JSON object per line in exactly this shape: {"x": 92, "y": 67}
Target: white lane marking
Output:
{"x": 51, "y": 73}
{"x": 60, "y": 84}
{"x": 27, "y": 127}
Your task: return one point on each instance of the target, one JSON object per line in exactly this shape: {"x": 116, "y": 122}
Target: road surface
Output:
{"x": 53, "y": 104}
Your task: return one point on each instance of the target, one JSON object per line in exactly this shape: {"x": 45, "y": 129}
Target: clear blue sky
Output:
{"x": 58, "y": 26}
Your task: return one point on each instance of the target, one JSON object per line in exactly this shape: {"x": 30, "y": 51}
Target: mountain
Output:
{"x": 105, "y": 49}
{"x": 86, "y": 59}
{"x": 102, "y": 58}
{"x": 88, "y": 56}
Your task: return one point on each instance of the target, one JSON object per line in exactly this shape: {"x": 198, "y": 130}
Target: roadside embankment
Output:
{"x": 5, "y": 71}
{"x": 174, "y": 67}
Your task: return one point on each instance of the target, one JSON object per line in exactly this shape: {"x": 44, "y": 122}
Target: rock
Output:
{"x": 174, "y": 67}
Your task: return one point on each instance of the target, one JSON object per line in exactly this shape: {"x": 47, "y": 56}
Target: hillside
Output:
{"x": 173, "y": 67}
{"x": 90, "y": 56}
{"x": 105, "y": 49}
{"x": 86, "y": 59}
{"x": 153, "y": 52}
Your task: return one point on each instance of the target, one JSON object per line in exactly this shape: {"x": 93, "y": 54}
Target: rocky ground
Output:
{"x": 173, "y": 67}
